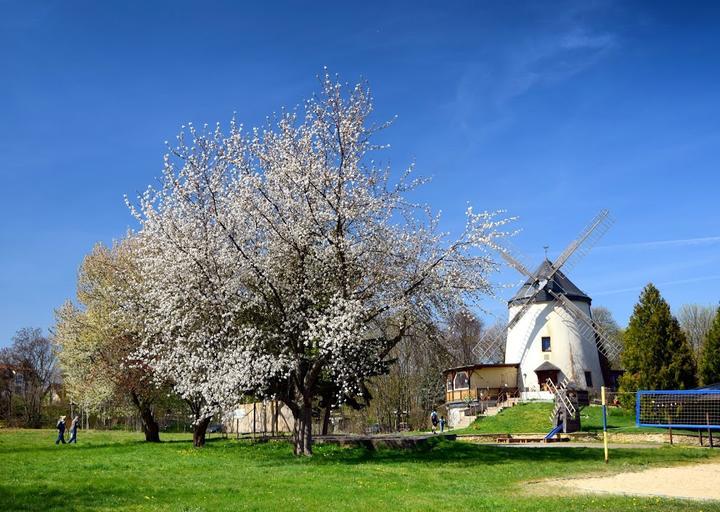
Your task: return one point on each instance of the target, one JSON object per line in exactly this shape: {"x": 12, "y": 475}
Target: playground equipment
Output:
{"x": 555, "y": 431}
{"x": 565, "y": 415}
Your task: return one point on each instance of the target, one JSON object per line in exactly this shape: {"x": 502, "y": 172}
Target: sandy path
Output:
{"x": 698, "y": 481}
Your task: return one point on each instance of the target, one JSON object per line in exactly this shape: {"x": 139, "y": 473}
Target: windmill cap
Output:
{"x": 560, "y": 284}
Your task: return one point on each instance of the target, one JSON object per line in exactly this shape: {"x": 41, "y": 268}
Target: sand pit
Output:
{"x": 698, "y": 482}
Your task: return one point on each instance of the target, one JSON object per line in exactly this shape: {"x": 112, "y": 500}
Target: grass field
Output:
{"x": 533, "y": 417}
{"x": 115, "y": 471}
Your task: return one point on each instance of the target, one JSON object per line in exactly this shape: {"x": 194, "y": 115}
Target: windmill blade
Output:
{"x": 527, "y": 302}
{"x": 605, "y": 345}
{"x": 489, "y": 349}
{"x": 583, "y": 243}
{"x": 514, "y": 263}
{"x": 484, "y": 349}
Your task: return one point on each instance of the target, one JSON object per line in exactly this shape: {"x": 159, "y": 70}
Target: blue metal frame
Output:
{"x": 676, "y": 392}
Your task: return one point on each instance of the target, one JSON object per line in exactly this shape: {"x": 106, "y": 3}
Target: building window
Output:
{"x": 588, "y": 379}
{"x": 461, "y": 380}
{"x": 449, "y": 384}
{"x": 546, "y": 344}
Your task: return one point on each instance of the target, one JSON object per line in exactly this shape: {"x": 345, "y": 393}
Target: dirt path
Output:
{"x": 698, "y": 481}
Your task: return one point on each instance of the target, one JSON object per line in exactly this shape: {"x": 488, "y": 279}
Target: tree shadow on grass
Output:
{"x": 46, "y": 498}
{"x": 453, "y": 452}
{"x": 95, "y": 445}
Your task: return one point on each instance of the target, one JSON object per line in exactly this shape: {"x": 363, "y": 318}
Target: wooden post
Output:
{"x": 604, "y": 417}
{"x": 264, "y": 419}
{"x": 671, "y": 440}
{"x": 254, "y": 407}
{"x": 710, "y": 437}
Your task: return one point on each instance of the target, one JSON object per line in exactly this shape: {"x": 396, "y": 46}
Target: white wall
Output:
{"x": 244, "y": 421}
{"x": 570, "y": 351}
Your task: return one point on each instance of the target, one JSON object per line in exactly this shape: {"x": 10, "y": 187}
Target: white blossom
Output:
{"x": 275, "y": 257}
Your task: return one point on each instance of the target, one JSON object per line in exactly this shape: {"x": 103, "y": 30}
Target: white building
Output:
{"x": 547, "y": 342}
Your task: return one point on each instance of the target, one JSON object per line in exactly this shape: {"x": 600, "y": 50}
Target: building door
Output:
{"x": 544, "y": 375}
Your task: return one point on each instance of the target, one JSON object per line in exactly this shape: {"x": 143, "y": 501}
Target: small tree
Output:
{"x": 272, "y": 261}
{"x": 709, "y": 364}
{"x": 657, "y": 355}
{"x": 98, "y": 341}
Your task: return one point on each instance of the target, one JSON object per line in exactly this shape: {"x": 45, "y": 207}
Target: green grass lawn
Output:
{"x": 534, "y": 417}
{"x": 523, "y": 418}
{"x": 116, "y": 471}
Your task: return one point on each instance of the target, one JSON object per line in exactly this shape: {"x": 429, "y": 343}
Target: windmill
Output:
{"x": 547, "y": 295}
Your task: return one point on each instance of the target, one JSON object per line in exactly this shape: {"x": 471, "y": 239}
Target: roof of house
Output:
{"x": 481, "y": 366}
{"x": 547, "y": 366}
{"x": 559, "y": 284}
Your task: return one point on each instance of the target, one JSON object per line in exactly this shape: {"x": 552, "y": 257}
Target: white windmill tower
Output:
{"x": 550, "y": 332}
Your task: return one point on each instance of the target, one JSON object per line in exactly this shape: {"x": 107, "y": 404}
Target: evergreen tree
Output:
{"x": 709, "y": 365}
{"x": 657, "y": 354}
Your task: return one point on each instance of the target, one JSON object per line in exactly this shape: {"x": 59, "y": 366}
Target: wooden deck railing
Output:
{"x": 459, "y": 395}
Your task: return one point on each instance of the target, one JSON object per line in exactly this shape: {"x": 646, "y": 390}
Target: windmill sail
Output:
{"x": 605, "y": 344}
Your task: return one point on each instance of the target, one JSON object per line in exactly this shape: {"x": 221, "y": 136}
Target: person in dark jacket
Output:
{"x": 73, "y": 431}
{"x": 61, "y": 430}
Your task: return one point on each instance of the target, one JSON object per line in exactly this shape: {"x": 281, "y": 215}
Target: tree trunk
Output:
{"x": 149, "y": 424}
{"x": 199, "y": 430}
{"x": 302, "y": 431}
{"x": 326, "y": 421}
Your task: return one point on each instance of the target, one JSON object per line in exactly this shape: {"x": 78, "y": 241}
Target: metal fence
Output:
{"x": 683, "y": 409}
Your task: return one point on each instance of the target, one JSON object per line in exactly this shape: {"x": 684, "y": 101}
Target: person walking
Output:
{"x": 434, "y": 420}
{"x": 442, "y": 424}
{"x": 61, "y": 430}
{"x": 73, "y": 431}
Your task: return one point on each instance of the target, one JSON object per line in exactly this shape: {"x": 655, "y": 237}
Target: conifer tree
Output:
{"x": 709, "y": 364}
{"x": 657, "y": 354}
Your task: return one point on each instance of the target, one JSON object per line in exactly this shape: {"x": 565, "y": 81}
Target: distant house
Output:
{"x": 12, "y": 382}
{"x": 12, "y": 379}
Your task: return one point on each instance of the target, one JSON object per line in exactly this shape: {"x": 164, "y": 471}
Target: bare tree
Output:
{"x": 463, "y": 333}
{"x": 34, "y": 357}
{"x": 696, "y": 321}
{"x": 414, "y": 383}
{"x": 603, "y": 318}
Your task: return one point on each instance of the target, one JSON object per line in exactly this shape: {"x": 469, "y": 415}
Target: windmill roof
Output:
{"x": 560, "y": 284}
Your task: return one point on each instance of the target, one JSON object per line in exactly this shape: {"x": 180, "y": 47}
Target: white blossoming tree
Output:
{"x": 281, "y": 260}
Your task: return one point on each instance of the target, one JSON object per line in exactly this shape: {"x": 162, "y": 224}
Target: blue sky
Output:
{"x": 550, "y": 110}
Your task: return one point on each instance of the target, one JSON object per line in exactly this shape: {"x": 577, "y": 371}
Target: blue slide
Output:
{"x": 554, "y": 431}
